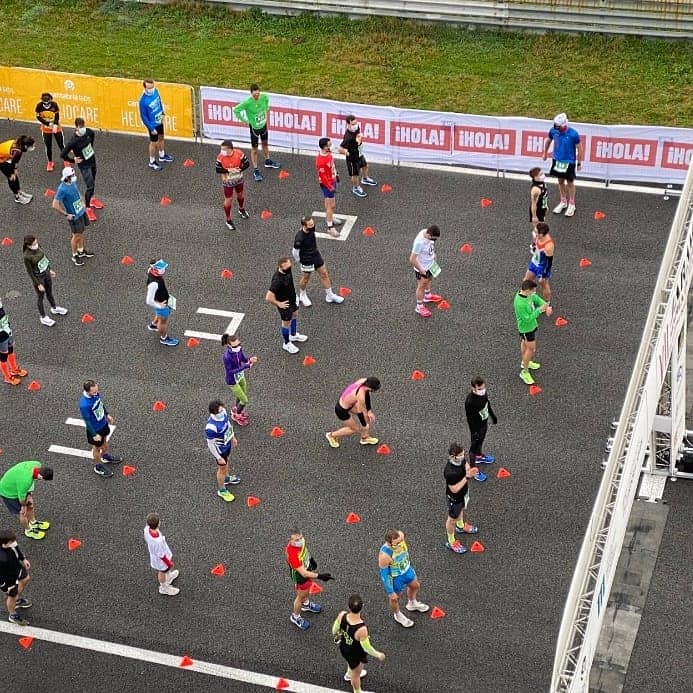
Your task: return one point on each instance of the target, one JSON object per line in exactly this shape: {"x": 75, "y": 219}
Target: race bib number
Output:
{"x": 536, "y": 257}
{"x": 99, "y": 412}
{"x": 483, "y": 414}
{"x": 172, "y": 302}
{"x": 43, "y": 264}
{"x": 260, "y": 121}
{"x": 87, "y": 152}
{"x": 561, "y": 166}
{"x": 228, "y": 434}
{"x": 307, "y": 268}
{"x": 78, "y": 206}
{"x": 434, "y": 269}
{"x": 5, "y": 325}
{"x": 159, "y": 118}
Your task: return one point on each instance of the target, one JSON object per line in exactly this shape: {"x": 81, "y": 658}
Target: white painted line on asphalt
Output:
{"x": 344, "y": 230}
{"x": 161, "y": 658}
{"x": 63, "y": 450}
{"x": 75, "y": 422}
{"x": 202, "y": 335}
{"x": 231, "y": 328}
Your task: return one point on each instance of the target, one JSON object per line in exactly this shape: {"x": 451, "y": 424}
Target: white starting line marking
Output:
{"x": 231, "y": 328}
{"x": 76, "y": 452}
{"x": 161, "y": 658}
{"x": 344, "y": 230}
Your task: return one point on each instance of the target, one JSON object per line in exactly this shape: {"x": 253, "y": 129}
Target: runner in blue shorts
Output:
{"x": 397, "y": 574}
{"x": 541, "y": 263}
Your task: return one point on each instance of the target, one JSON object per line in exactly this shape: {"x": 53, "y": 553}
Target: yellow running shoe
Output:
{"x": 34, "y": 533}
{"x": 527, "y": 378}
{"x": 533, "y": 365}
{"x": 369, "y": 441}
{"x": 226, "y": 495}
{"x": 334, "y": 443}
{"x": 39, "y": 524}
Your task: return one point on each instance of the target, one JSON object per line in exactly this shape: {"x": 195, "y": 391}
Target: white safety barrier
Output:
{"x": 658, "y": 363}
{"x": 394, "y": 135}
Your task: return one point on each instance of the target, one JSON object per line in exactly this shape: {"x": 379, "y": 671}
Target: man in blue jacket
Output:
{"x": 152, "y": 114}
{"x": 98, "y": 422}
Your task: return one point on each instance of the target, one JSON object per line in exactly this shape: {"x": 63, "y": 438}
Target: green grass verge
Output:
{"x": 377, "y": 60}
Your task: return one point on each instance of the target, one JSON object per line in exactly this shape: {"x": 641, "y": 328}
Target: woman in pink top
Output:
{"x": 355, "y": 400}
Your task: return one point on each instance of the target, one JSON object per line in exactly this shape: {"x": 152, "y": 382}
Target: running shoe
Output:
{"x": 333, "y": 231}
{"x": 18, "y": 620}
{"x": 334, "y": 443}
{"x": 50, "y": 166}
{"x": 40, "y": 524}
{"x": 456, "y": 547}
{"x": 230, "y": 225}
{"x": 423, "y": 311}
{"x": 26, "y": 196}
{"x": 111, "y": 459}
{"x": 484, "y": 459}
{"x": 368, "y": 181}
{"x": 233, "y": 480}
{"x": 168, "y": 590}
{"x": 369, "y": 441}
{"x": 432, "y": 298}
{"x": 570, "y": 211}
{"x": 102, "y": 471}
{"x": 298, "y": 337}
{"x": 168, "y": 341}
{"x": 468, "y": 528}
{"x": 304, "y": 299}
{"x": 290, "y": 347}
{"x": 413, "y": 605}
{"x": 243, "y": 213}
{"x": 77, "y": 261}
{"x": 154, "y": 166}
{"x": 85, "y": 253}
{"x": 312, "y": 607}
{"x": 91, "y": 214}
{"x": 19, "y": 373}
{"x": 171, "y": 575}
{"x": 403, "y": 620}
{"x": 166, "y": 158}
{"x": 240, "y": 419}
{"x": 59, "y": 310}
{"x": 359, "y": 191}
{"x": 300, "y": 622}
{"x": 526, "y": 377}
{"x": 334, "y": 298}
{"x": 257, "y": 176}
{"x": 480, "y": 476}
{"x": 269, "y": 163}
{"x": 48, "y": 322}
{"x": 152, "y": 327}
{"x": 96, "y": 204}
{"x": 21, "y": 199}
{"x": 33, "y": 533}
{"x": 226, "y": 495}
{"x": 533, "y": 365}
{"x": 337, "y": 222}
{"x": 560, "y": 207}
{"x": 12, "y": 380}
{"x": 348, "y": 678}
{"x": 23, "y": 603}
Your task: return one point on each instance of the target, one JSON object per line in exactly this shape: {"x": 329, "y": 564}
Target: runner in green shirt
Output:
{"x": 16, "y": 485}
{"x": 254, "y": 111}
{"x": 528, "y": 307}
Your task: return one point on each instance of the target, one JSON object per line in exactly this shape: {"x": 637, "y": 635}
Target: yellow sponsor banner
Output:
{"x": 105, "y": 103}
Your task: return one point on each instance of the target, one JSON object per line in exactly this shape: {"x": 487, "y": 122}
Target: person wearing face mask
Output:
{"x": 568, "y": 155}
{"x": 282, "y": 295}
{"x": 538, "y": 199}
{"x": 220, "y": 441}
{"x": 69, "y": 203}
{"x": 10, "y": 155}
{"x": 16, "y": 492}
{"x": 303, "y": 569}
{"x": 328, "y": 179}
{"x": 477, "y": 409}
{"x": 423, "y": 260}
{"x": 11, "y": 372}
{"x": 81, "y": 146}
{"x": 306, "y": 252}
{"x": 48, "y": 115}
{"x": 458, "y": 471}
{"x": 14, "y": 576}
{"x": 230, "y": 165}
{"x": 158, "y": 298}
{"x": 152, "y": 115}
{"x": 357, "y": 166}
{"x": 38, "y": 267}
{"x": 98, "y": 423}
{"x": 541, "y": 262}
{"x": 236, "y": 363}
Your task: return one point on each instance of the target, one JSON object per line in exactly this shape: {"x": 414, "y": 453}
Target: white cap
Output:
{"x": 561, "y": 119}
{"x": 68, "y": 172}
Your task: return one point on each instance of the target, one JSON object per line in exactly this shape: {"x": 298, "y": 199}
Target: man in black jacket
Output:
{"x": 14, "y": 575}
{"x": 81, "y": 145}
{"x": 478, "y": 410}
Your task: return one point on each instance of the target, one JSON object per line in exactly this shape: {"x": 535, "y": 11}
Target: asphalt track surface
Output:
{"x": 503, "y": 606}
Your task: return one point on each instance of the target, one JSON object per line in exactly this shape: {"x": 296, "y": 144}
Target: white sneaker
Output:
{"x": 570, "y": 211}
{"x": 334, "y": 298}
{"x": 48, "y": 322}
{"x": 305, "y": 301}
{"x": 348, "y": 678}
{"x": 403, "y": 620}
{"x": 560, "y": 207}
{"x": 168, "y": 589}
{"x": 172, "y": 575}
{"x": 22, "y": 198}
{"x": 298, "y": 337}
{"x": 290, "y": 347}
{"x": 59, "y": 310}
{"x": 417, "y": 606}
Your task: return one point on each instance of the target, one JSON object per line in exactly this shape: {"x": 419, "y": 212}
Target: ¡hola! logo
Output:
{"x": 69, "y": 85}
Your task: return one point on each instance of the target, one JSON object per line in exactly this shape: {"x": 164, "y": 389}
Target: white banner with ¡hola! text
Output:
{"x": 611, "y": 152}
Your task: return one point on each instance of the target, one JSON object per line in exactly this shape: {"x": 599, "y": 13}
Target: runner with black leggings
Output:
{"x": 38, "y": 267}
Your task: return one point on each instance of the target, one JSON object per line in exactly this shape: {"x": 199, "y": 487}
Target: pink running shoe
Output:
{"x": 423, "y": 311}
{"x": 432, "y": 298}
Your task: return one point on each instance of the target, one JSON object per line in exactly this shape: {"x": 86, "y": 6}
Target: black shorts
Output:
{"x": 287, "y": 314}
{"x": 104, "y": 433}
{"x": 11, "y": 590}
{"x": 316, "y": 263}
{"x": 354, "y": 166}
{"x": 541, "y": 213}
{"x": 568, "y": 174}
{"x": 455, "y": 507}
{"x": 420, "y": 276}
{"x": 78, "y": 225}
{"x": 256, "y": 135}
{"x": 13, "y": 505}
{"x": 159, "y": 133}
{"x": 224, "y": 456}
{"x": 528, "y": 336}
{"x": 353, "y": 659}
{"x": 344, "y": 414}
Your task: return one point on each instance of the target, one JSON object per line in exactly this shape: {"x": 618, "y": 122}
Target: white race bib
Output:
{"x": 87, "y": 152}
{"x": 434, "y": 269}
{"x": 43, "y": 264}
{"x": 78, "y": 205}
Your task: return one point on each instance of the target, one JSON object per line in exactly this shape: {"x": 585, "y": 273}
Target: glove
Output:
{"x": 325, "y": 577}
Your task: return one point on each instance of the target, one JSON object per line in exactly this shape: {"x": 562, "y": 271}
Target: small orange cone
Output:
{"x": 353, "y": 519}
{"x": 485, "y": 202}
{"x": 26, "y": 641}
{"x": 418, "y": 375}
{"x": 265, "y": 214}
{"x": 48, "y": 192}
{"x": 477, "y": 547}
{"x": 369, "y": 231}
{"x": 34, "y": 386}
{"x": 560, "y": 322}
{"x": 443, "y": 305}
{"x": 383, "y": 449}
{"x": 166, "y": 201}
{"x": 188, "y": 163}
{"x": 503, "y": 473}
{"x": 283, "y": 175}
{"x": 128, "y": 470}
{"x": 344, "y": 291}
{"x": 309, "y": 361}
{"x": 185, "y": 661}
{"x": 158, "y": 405}
{"x": 252, "y": 501}
{"x": 282, "y": 685}
{"x": 598, "y": 216}
{"x": 126, "y": 260}
{"x": 437, "y": 612}
{"x": 218, "y": 570}
{"x": 73, "y": 544}
{"x": 277, "y": 432}
{"x": 6, "y": 241}
{"x": 534, "y": 390}
{"x": 466, "y": 248}
{"x": 385, "y": 188}
{"x": 226, "y": 274}
{"x": 193, "y": 342}
{"x": 87, "y": 319}
{"x": 315, "y": 588}
{"x": 584, "y": 262}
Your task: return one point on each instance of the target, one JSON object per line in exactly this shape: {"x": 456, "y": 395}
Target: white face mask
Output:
{"x": 236, "y": 349}
{"x": 34, "y": 246}
{"x": 224, "y": 152}
{"x": 298, "y": 544}
{"x": 220, "y": 415}
{"x": 149, "y": 92}
{"x": 354, "y": 127}
{"x": 481, "y": 391}
{"x": 31, "y": 149}
{"x": 80, "y": 132}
